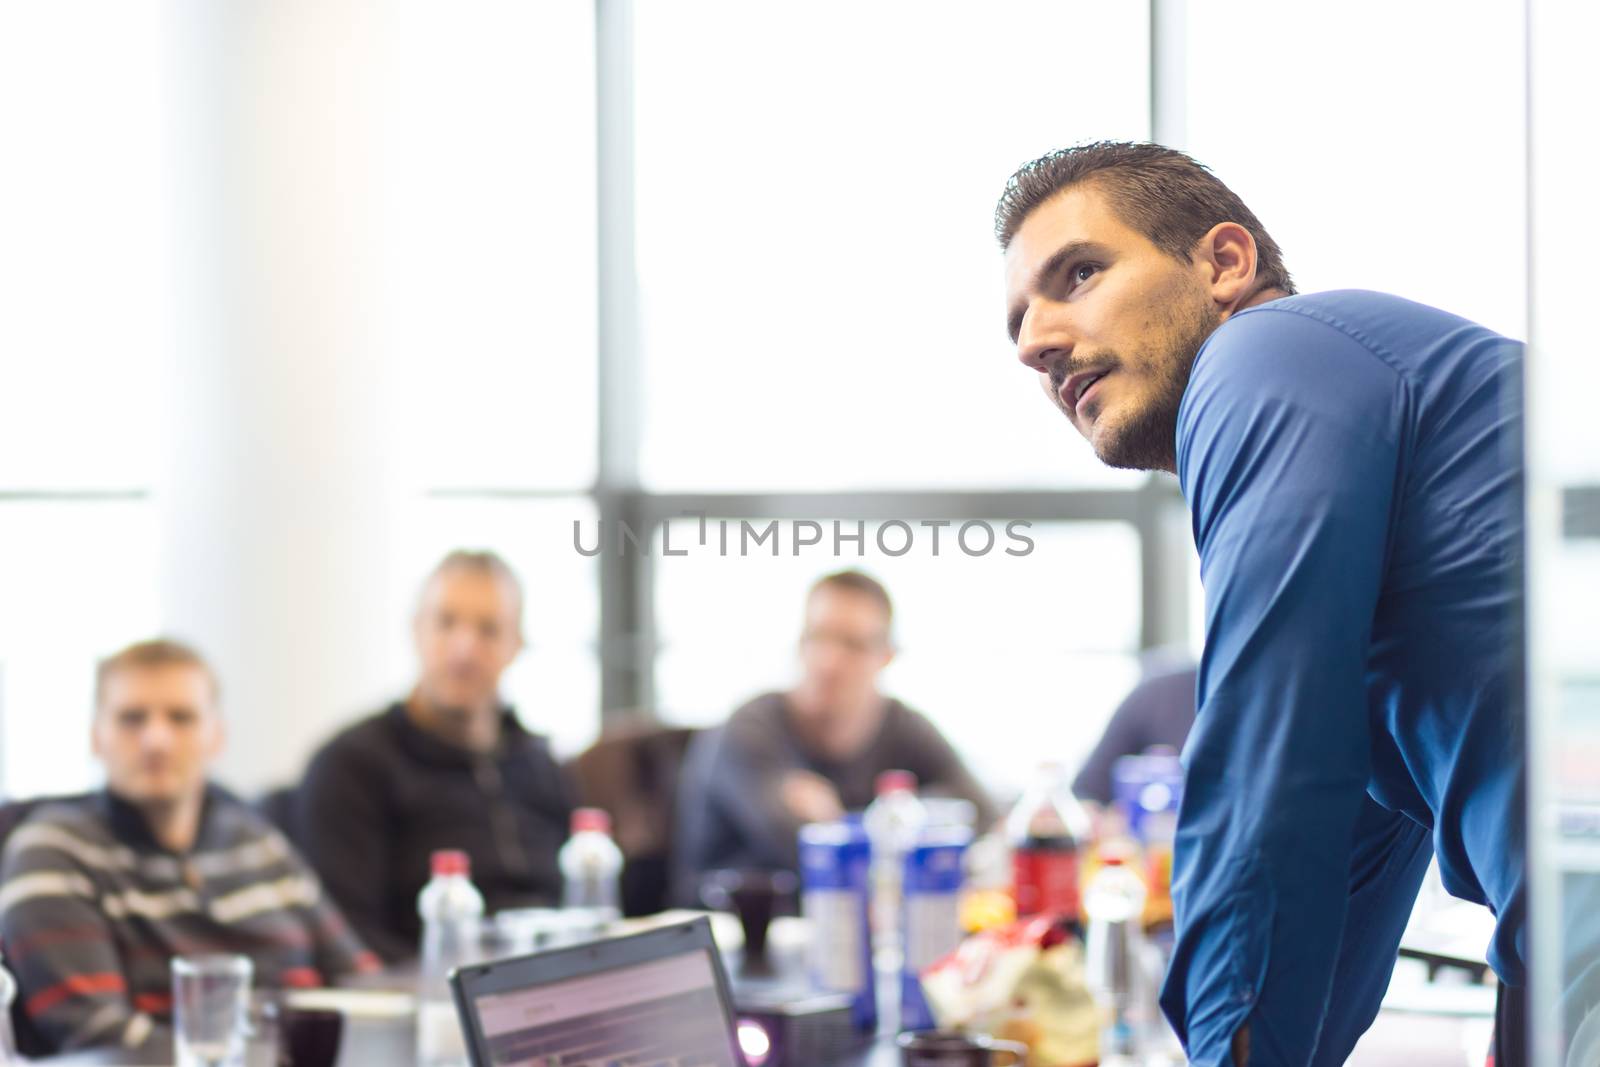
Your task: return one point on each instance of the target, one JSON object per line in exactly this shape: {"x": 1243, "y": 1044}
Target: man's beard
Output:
{"x": 1146, "y": 438}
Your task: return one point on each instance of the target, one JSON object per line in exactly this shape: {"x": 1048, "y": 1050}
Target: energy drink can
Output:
{"x": 835, "y": 866}
{"x": 931, "y": 915}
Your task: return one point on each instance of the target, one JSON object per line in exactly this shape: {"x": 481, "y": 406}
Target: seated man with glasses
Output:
{"x": 100, "y": 893}
{"x": 812, "y": 753}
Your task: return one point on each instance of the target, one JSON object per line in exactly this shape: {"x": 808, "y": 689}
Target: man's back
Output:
{"x": 1351, "y": 462}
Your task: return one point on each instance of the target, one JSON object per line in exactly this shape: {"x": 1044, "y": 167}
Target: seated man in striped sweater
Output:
{"x": 98, "y": 894}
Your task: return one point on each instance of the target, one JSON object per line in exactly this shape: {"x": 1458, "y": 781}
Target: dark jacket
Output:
{"x": 382, "y": 796}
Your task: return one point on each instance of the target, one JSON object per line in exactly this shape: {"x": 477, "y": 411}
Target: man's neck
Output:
{"x": 1261, "y": 296}
{"x": 475, "y": 729}
{"x": 175, "y": 824}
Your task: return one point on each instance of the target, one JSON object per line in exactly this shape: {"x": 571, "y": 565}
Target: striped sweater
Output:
{"x": 92, "y": 911}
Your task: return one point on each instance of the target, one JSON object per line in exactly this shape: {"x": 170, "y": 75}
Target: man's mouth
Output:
{"x": 1075, "y": 388}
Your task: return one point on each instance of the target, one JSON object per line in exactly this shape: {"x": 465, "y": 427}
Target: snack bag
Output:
{"x": 1023, "y": 982}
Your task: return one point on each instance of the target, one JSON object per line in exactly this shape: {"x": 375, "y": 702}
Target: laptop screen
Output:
{"x": 662, "y": 1013}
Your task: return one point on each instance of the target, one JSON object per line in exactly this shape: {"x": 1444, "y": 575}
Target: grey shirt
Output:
{"x": 731, "y": 811}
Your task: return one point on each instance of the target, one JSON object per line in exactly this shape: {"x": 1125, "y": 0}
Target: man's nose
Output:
{"x": 1042, "y": 342}
{"x": 463, "y": 641}
{"x": 156, "y": 736}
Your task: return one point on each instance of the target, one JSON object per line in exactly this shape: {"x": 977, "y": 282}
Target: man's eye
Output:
{"x": 1083, "y": 272}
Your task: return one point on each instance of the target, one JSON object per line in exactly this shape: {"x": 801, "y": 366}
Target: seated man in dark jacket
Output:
{"x": 448, "y": 767}
{"x": 100, "y": 892}
{"x": 812, "y": 753}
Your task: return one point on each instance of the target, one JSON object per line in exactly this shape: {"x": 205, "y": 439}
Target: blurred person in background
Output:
{"x": 99, "y": 893}
{"x": 1157, "y": 713}
{"x": 447, "y": 767}
{"x": 1349, "y": 459}
{"x": 812, "y": 753}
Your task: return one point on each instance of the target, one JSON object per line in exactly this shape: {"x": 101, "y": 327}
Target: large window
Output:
{"x": 1381, "y": 144}
{"x": 820, "y": 290}
{"x": 483, "y": 242}
{"x": 1018, "y": 657}
{"x": 86, "y": 267}
{"x": 78, "y": 579}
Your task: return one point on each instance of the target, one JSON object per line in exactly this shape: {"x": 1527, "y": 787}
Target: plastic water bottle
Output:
{"x": 591, "y": 867}
{"x": 893, "y": 822}
{"x": 1115, "y": 961}
{"x": 452, "y": 918}
{"x": 8, "y": 995}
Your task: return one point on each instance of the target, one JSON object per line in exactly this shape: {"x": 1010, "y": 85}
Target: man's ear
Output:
{"x": 1226, "y": 257}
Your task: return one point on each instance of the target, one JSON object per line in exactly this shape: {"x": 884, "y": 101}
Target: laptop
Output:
{"x": 654, "y": 999}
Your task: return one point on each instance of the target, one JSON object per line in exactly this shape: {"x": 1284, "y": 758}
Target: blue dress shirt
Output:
{"x": 1351, "y": 461}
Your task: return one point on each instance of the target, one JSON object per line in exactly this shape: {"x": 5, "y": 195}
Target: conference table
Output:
{"x": 1424, "y": 1023}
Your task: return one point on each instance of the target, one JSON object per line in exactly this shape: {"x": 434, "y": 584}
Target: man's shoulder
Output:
{"x": 369, "y": 739}
{"x": 1309, "y": 352}
{"x": 1398, "y": 333}
{"x": 237, "y": 821}
{"x": 63, "y": 829}
{"x": 1283, "y": 333}
{"x": 906, "y": 722}
{"x": 759, "y": 724}
{"x": 759, "y": 712}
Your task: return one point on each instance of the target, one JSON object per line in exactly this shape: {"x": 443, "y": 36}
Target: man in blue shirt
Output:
{"x": 1350, "y": 461}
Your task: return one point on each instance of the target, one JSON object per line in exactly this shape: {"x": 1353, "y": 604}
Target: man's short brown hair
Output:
{"x": 147, "y": 655}
{"x": 857, "y": 582}
{"x": 1161, "y": 192}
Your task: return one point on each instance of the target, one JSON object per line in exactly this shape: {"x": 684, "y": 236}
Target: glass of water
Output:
{"x": 211, "y": 1005}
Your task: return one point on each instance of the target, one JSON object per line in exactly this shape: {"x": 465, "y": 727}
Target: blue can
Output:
{"x": 931, "y": 915}
{"x": 835, "y": 895}
{"x": 1147, "y": 790}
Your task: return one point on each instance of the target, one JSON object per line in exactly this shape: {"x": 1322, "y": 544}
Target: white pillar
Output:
{"x": 279, "y": 502}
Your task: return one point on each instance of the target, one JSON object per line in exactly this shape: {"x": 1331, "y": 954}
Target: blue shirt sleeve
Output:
{"x": 1290, "y": 451}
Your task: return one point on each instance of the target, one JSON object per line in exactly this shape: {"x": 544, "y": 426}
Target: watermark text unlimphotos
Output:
{"x": 742, "y": 537}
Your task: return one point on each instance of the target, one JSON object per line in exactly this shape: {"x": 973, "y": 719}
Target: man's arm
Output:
{"x": 344, "y": 834}
{"x": 59, "y": 943}
{"x": 1123, "y": 736}
{"x": 337, "y": 950}
{"x": 1290, "y": 455}
{"x": 750, "y": 783}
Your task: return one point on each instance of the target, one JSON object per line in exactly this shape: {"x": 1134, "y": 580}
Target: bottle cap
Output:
{"x": 595, "y": 820}
{"x": 896, "y": 782}
{"x": 451, "y": 861}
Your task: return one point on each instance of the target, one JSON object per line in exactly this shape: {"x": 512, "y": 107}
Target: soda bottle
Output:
{"x": 1048, "y": 830}
{"x": 452, "y": 914}
{"x": 591, "y": 867}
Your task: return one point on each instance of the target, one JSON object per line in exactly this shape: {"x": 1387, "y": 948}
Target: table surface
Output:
{"x": 1403, "y": 1038}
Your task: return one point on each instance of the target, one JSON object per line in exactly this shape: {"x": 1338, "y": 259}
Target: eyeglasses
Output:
{"x": 855, "y": 646}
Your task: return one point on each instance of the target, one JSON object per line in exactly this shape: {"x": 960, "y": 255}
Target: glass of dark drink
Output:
{"x": 309, "y": 1037}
